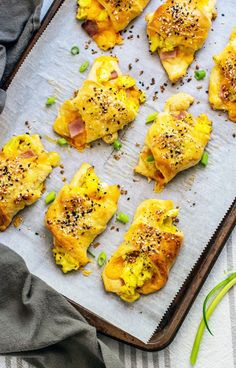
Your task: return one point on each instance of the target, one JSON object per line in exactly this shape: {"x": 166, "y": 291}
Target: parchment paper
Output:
{"x": 203, "y": 194}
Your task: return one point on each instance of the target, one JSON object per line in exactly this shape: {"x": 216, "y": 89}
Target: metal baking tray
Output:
{"x": 177, "y": 311}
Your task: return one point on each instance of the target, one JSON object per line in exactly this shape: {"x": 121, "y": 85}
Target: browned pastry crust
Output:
{"x": 176, "y": 30}
{"x": 142, "y": 262}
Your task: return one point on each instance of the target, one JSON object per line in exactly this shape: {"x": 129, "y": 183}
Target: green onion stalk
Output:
{"x": 224, "y": 286}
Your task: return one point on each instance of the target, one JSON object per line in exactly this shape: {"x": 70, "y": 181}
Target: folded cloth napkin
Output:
{"x": 18, "y": 22}
{"x": 38, "y": 324}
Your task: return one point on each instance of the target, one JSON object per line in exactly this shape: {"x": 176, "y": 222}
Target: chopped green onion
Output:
{"x": 50, "y": 100}
{"x": 101, "y": 259}
{"x": 74, "y": 50}
{"x": 151, "y": 117}
{"x": 50, "y": 197}
{"x": 204, "y": 159}
{"x": 225, "y": 286}
{"x": 84, "y": 67}
{"x": 122, "y": 217}
{"x": 150, "y": 158}
{"x": 199, "y": 74}
{"x": 117, "y": 145}
{"x": 90, "y": 253}
{"x": 230, "y": 272}
{"x": 62, "y": 142}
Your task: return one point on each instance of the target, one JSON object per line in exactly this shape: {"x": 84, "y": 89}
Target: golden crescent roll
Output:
{"x": 79, "y": 213}
{"x": 175, "y": 141}
{"x": 142, "y": 262}
{"x": 105, "y": 103}
{"x": 104, "y": 19}
{"x": 176, "y": 30}
{"x": 222, "y": 88}
{"x": 24, "y": 167}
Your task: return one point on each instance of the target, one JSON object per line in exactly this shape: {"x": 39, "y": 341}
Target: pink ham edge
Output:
{"x": 27, "y": 154}
{"x": 91, "y": 27}
{"x": 222, "y": 92}
{"x": 168, "y": 55}
{"x": 114, "y": 75}
{"x": 76, "y": 127}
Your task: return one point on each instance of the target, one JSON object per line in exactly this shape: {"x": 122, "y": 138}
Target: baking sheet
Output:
{"x": 203, "y": 194}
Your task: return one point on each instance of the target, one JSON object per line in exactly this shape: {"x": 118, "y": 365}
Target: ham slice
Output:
{"x": 76, "y": 127}
{"x": 181, "y": 115}
{"x": 114, "y": 74}
{"x": 27, "y": 154}
{"x": 91, "y": 27}
{"x": 168, "y": 54}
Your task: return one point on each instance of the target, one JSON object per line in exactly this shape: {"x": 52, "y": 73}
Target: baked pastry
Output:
{"x": 105, "y": 103}
{"x": 79, "y": 213}
{"x": 175, "y": 141}
{"x": 176, "y": 30}
{"x": 222, "y": 88}
{"x": 142, "y": 262}
{"x": 24, "y": 167}
{"x": 105, "y": 19}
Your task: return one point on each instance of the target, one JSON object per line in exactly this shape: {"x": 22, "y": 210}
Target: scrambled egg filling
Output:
{"x": 24, "y": 143}
{"x": 142, "y": 262}
{"x": 90, "y": 185}
{"x": 136, "y": 272}
{"x": 106, "y": 37}
{"x": 228, "y": 73}
{"x": 180, "y": 23}
{"x": 65, "y": 260}
{"x": 123, "y": 86}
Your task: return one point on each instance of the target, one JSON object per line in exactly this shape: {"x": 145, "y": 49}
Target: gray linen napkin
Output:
{"x": 38, "y": 324}
{"x": 18, "y": 22}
